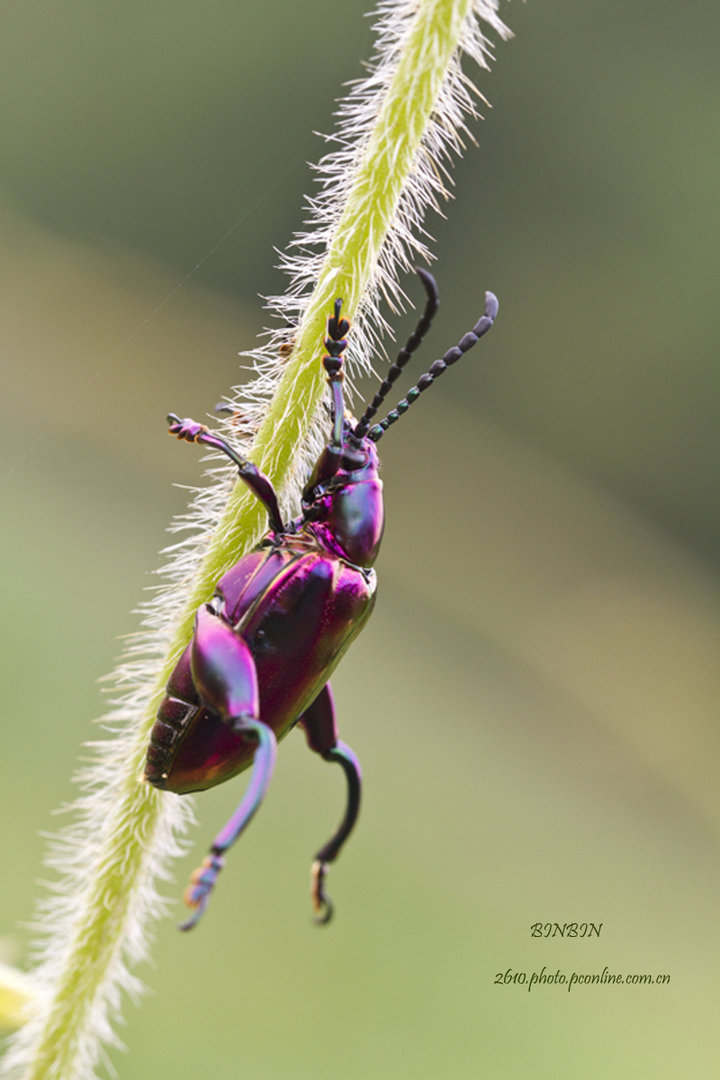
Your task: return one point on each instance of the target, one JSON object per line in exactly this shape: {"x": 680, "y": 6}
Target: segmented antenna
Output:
{"x": 336, "y": 343}
{"x": 450, "y": 357}
{"x": 431, "y": 306}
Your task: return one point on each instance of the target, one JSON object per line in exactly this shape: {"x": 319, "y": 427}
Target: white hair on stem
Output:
{"x": 397, "y": 131}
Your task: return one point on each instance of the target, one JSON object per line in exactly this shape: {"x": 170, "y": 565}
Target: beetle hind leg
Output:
{"x": 321, "y": 732}
{"x": 202, "y": 881}
{"x": 344, "y": 756}
{"x": 224, "y": 673}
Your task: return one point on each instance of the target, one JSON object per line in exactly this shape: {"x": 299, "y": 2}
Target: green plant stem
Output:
{"x": 385, "y": 163}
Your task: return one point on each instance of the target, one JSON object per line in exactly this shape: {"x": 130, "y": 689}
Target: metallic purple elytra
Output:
{"x": 280, "y": 620}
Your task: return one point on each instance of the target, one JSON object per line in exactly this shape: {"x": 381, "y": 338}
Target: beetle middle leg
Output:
{"x": 320, "y": 728}
{"x": 224, "y": 674}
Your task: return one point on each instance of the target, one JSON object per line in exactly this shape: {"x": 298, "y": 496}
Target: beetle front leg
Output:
{"x": 321, "y": 733}
{"x": 224, "y": 674}
{"x": 192, "y": 431}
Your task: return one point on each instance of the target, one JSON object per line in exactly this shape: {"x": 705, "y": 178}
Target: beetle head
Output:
{"x": 351, "y": 462}
{"x": 343, "y": 496}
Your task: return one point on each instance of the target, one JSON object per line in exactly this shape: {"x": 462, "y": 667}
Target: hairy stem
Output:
{"x": 126, "y": 828}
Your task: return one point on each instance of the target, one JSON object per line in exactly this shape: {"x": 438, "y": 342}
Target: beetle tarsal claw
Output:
{"x": 195, "y": 917}
{"x": 186, "y": 428}
{"x": 322, "y": 904}
{"x": 202, "y": 883}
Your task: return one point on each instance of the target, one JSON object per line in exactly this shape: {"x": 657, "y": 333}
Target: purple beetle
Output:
{"x": 266, "y": 644}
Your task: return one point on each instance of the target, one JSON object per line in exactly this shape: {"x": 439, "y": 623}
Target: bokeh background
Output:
{"x": 535, "y": 700}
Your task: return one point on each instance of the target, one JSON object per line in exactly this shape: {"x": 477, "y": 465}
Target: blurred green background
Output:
{"x": 535, "y": 700}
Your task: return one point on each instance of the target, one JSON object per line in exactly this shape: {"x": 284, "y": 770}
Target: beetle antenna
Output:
{"x": 336, "y": 343}
{"x": 431, "y": 306}
{"x": 435, "y": 371}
